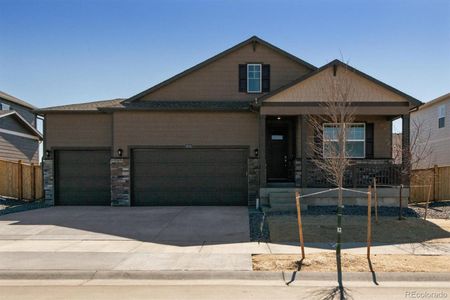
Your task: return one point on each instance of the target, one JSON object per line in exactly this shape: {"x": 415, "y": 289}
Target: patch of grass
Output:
{"x": 326, "y": 262}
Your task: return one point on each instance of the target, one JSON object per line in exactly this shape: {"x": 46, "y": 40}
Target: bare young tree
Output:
{"x": 420, "y": 150}
{"x": 330, "y": 148}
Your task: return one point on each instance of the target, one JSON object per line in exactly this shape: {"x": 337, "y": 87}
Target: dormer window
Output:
{"x": 253, "y": 78}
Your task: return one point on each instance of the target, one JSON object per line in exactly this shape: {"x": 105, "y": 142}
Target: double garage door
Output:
{"x": 196, "y": 176}
{"x": 159, "y": 176}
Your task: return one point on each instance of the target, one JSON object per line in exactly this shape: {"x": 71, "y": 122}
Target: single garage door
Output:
{"x": 83, "y": 177}
{"x": 194, "y": 176}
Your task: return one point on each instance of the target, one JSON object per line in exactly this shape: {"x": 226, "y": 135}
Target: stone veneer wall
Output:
{"x": 120, "y": 181}
{"x": 49, "y": 182}
{"x": 253, "y": 180}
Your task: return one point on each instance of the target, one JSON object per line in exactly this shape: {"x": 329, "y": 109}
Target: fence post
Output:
{"x": 428, "y": 201}
{"x": 299, "y": 220}
{"x": 19, "y": 180}
{"x": 400, "y": 205}
{"x": 33, "y": 182}
{"x": 375, "y": 192}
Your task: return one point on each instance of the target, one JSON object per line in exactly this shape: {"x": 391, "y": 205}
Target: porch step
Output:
{"x": 284, "y": 202}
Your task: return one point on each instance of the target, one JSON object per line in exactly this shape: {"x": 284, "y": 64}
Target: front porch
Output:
{"x": 287, "y": 159}
{"x": 290, "y": 145}
{"x": 289, "y": 164}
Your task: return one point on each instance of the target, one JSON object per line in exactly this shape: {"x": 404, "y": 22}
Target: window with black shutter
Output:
{"x": 254, "y": 78}
{"x": 369, "y": 140}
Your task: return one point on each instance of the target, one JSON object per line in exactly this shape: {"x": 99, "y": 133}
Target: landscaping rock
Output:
{"x": 8, "y": 206}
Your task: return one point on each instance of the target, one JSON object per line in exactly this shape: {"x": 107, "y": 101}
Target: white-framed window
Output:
{"x": 254, "y": 78}
{"x": 441, "y": 116}
{"x": 355, "y": 142}
{"x": 5, "y": 106}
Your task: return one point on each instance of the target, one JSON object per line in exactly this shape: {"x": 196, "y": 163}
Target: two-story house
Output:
{"x": 433, "y": 128}
{"x": 224, "y": 132}
{"x": 19, "y": 138}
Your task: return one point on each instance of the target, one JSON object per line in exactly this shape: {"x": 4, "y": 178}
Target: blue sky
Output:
{"x": 56, "y": 52}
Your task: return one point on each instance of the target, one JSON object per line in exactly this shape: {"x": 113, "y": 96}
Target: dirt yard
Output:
{"x": 326, "y": 262}
{"x": 322, "y": 229}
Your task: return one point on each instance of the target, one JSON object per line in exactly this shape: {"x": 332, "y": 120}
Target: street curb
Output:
{"x": 218, "y": 275}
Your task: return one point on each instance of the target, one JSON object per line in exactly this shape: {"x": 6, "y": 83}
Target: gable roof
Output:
{"x": 252, "y": 40}
{"x": 15, "y": 100}
{"x": 24, "y": 122}
{"x": 413, "y": 101}
{"x": 83, "y": 107}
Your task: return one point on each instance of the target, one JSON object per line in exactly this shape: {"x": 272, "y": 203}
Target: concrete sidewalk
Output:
{"x": 134, "y": 255}
{"x": 209, "y": 247}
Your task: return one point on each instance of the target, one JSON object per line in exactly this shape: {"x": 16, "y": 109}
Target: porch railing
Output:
{"x": 359, "y": 174}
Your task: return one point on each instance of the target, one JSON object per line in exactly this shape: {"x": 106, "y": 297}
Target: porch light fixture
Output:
{"x": 119, "y": 152}
{"x": 47, "y": 153}
{"x": 256, "y": 152}
{"x": 278, "y": 118}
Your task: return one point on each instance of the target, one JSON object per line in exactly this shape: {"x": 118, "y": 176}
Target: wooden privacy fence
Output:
{"x": 436, "y": 178}
{"x": 20, "y": 181}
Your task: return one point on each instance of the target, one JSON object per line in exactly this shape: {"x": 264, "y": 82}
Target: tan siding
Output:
{"x": 219, "y": 80}
{"x": 78, "y": 130}
{"x": 382, "y": 130}
{"x": 181, "y": 128}
{"x": 439, "y": 137}
{"x": 311, "y": 89}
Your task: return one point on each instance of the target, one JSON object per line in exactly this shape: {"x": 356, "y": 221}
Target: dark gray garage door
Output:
{"x": 189, "y": 176}
{"x": 83, "y": 177}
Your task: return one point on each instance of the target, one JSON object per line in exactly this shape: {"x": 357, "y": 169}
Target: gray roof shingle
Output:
{"x": 119, "y": 104}
{"x": 86, "y": 106}
{"x": 182, "y": 105}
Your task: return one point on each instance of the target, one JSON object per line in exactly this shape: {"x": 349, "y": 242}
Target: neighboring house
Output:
{"x": 397, "y": 148}
{"x": 224, "y": 132}
{"x": 19, "y": 138}
{"x": 433, "y": 119}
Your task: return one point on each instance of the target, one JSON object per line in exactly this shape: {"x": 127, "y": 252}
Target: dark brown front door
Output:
{"x": 279, "y": 133}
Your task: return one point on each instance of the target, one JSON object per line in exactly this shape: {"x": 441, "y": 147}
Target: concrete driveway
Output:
{"x": 125, "y": 238}
{"x": 180, "y": 226}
